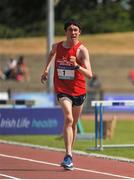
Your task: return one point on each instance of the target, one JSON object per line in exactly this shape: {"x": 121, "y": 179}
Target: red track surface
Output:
{"x": 32, "y": 163}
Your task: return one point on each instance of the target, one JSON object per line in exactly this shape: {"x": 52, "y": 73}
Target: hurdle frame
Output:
{"x": 98, "y": 113}
{"x": 20, "y": 102}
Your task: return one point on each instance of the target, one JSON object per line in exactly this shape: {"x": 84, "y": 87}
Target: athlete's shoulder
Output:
{"x": 83, "y": 48}
{"x": 55, "y": 45}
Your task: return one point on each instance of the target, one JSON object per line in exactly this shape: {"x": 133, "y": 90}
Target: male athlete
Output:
{"x": 72, "y": 65}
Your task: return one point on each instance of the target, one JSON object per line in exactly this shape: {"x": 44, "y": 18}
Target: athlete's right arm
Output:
{"x": 51, "y": 56}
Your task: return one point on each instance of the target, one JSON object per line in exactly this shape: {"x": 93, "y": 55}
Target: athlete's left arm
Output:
{"x": 83, "y": 55}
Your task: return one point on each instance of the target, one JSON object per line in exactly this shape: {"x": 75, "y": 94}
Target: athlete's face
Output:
{"x": 73, "y": 32}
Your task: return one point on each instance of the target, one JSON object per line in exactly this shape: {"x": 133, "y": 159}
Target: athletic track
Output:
{"x": 25, "y": 162}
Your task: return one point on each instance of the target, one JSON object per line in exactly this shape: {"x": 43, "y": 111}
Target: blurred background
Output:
{"x": 27, "y": 30}
{"x": 108, "y": 33}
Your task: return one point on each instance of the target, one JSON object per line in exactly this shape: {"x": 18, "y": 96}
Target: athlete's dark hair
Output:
{"x": 71, "y": 22}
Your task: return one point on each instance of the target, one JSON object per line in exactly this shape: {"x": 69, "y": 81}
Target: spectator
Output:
{"x": 22, "y": 71}
{"x": 2, "y": 75}
{"x": 95, "y": 83}
{"x": 131, "y": 76}
{"x": 9, "y": 72}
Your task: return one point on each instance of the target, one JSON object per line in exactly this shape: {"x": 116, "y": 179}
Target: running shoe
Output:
{"x": 67, "y": 163}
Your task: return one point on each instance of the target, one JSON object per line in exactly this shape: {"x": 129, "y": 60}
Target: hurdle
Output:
{"x": 13, "y": 103}
{"x": 98, "y": 113}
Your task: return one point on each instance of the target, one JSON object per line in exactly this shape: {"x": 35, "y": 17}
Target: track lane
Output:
{"x": 27, "y": 162}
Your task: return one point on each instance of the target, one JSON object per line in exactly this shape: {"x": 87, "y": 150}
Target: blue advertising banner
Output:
{"x": 31, "y": 121}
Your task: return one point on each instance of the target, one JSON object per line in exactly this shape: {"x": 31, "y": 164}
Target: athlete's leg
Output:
{"x": 66, "y": 105}
{"x": 76, "y": 110}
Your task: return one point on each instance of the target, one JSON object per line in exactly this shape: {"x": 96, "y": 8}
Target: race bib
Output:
{"x": 66, "y": 72}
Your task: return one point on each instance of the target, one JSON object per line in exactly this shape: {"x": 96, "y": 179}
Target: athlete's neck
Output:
{"x": 69, "y": 44}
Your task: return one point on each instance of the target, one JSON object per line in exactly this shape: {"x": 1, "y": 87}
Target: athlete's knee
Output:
{"x": 68, "y": 120}
{"x": 74, "y": 127}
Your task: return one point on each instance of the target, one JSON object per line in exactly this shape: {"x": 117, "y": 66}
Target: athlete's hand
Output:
{"x": 44, "y": 76}
{"x": 73, "y": 60}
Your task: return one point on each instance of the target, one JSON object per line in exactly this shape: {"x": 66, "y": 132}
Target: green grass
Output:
{"x": 123, "y": 135}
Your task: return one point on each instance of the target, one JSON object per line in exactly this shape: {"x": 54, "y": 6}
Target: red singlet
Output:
{"x": 66, "y": 79}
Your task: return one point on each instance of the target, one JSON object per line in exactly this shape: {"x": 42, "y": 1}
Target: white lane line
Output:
{"x": 7, "y": 176}
{"x": 103, "y": 173}
{"x": 63, "y": 150}
{"x": 53, "y": 164}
